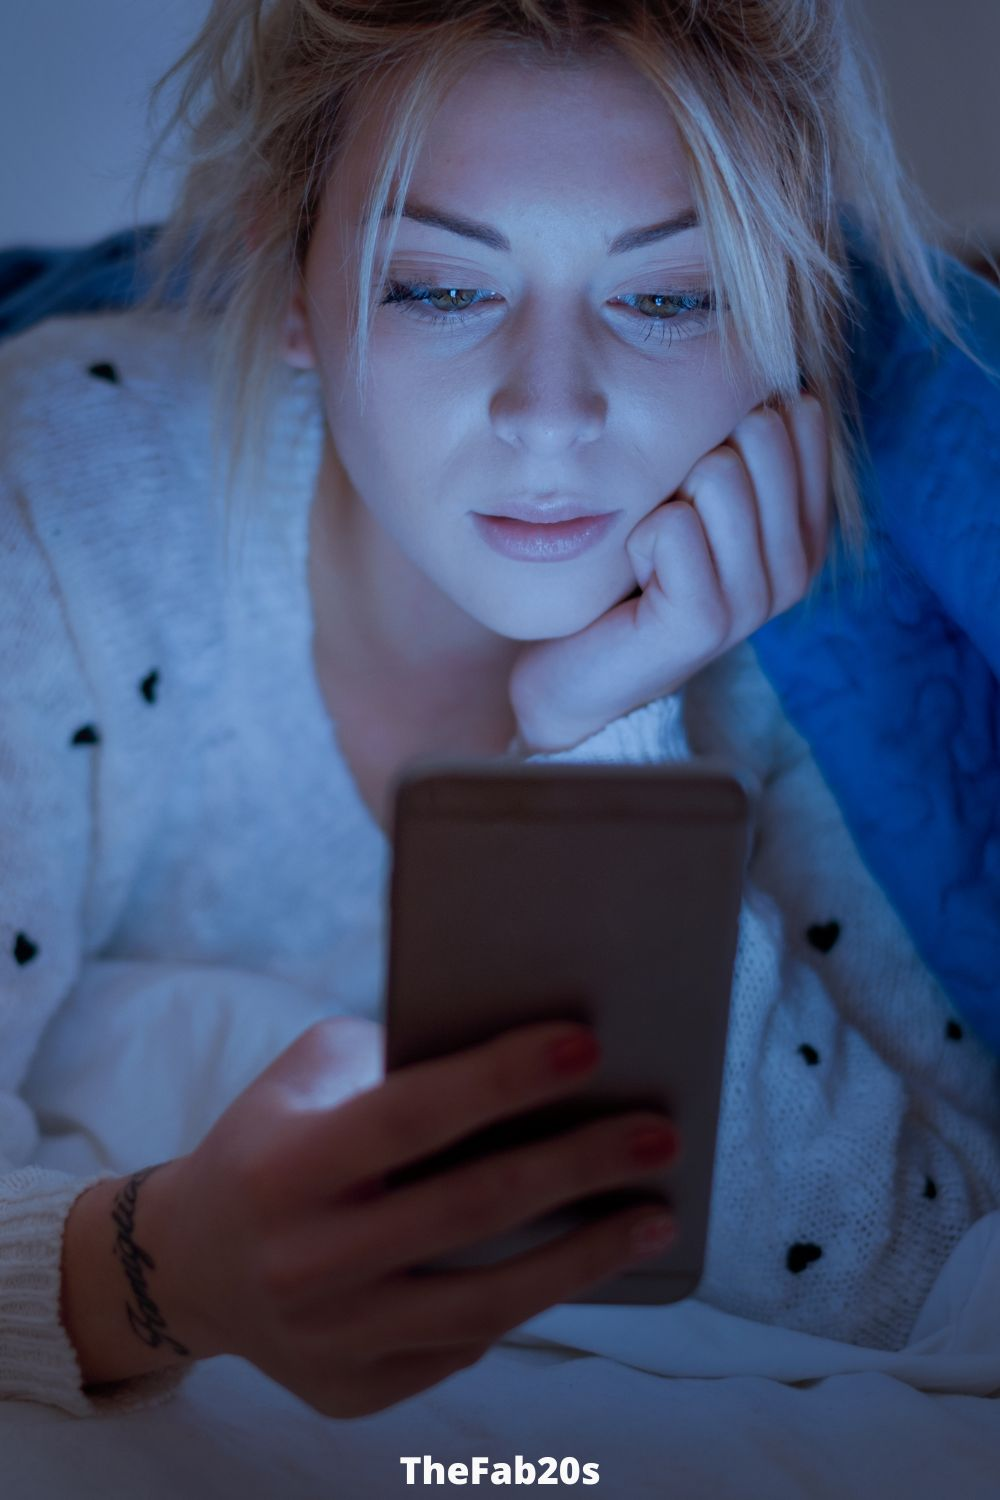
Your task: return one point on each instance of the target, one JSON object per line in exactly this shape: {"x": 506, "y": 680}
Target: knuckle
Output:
{"x": 715, "y": 619}
{"x": 592, "y": 1156}
{"x": 617, "y": 1142}
{"x": 760, "y": 422}
{"x": 471, "y": 1211}
{"x": 470, "y": 1309}
{"x": 759, "y": 604}
{"x": 720, "y": 466}
{"x": 796, "y": 576}
{"x": 683, "y": 505}
{"x": 595, "y": 1154}
{"x": 799, "y": 578}
{"x": 489, "y": 1192}
{"x": 353, "y": 1339}
{"x": 276, "y": 1277}
{"x": 756, "y": 602}
{"x": 504, "y": 1074}
{"x": 408, "y": 1117}
{"x": 258, "y": 1181}
{"x": 768, "y": 419}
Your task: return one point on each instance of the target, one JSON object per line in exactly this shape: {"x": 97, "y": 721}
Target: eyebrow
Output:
{"x": 472, "y": 229}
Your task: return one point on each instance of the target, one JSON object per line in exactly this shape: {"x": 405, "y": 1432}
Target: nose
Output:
{"x": 549, "y": 401}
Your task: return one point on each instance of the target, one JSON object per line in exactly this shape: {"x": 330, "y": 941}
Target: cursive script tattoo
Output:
{"x": 149, "y": 1323}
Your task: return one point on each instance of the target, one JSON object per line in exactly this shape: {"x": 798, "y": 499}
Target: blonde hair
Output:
{"x": 779, "y": 107}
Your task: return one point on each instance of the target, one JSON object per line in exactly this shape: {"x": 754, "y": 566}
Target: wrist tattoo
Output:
{"x": 148, "y": 1324}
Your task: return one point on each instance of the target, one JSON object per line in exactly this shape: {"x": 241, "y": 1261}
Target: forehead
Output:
{"x": 511, "y": 126}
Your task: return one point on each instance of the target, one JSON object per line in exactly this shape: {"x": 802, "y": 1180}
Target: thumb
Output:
{"x": 328, "y": 1062}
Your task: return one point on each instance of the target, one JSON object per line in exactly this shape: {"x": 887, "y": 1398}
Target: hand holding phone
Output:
{"x": 279, "y": 1239}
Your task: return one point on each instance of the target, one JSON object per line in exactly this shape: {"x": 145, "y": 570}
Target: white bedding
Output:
{"x": 682, "y": 1400}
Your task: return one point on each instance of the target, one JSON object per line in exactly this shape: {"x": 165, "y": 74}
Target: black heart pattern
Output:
{"x": 105, "y": 371}
{"x": 24, "y": 949}
{"x": 801, "y": 1255}
{"x": 823, "y": 935}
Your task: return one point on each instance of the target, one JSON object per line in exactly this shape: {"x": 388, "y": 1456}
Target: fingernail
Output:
{"x": 650, "y": 1144}
{"x": 574, "y": 1054}
{"x": 652, "y": 1236}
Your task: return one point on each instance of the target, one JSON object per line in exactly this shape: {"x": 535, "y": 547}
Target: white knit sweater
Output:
{"x": 171, "y": 789}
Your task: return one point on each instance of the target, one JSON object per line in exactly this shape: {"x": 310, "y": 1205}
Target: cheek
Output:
{"x": 708, "y": 407}
{"x": 414, "y": 420}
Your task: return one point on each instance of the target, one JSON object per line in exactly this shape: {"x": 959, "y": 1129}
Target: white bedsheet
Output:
{"x": 681, "y": 1400}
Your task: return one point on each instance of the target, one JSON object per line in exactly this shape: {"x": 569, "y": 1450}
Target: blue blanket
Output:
{"x": 893, "y": 685}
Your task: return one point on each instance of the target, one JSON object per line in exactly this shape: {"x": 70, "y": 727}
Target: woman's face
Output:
{"x": 574, "y": 372}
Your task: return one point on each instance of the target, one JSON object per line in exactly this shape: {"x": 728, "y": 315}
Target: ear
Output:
{"x": 295, "y": 341}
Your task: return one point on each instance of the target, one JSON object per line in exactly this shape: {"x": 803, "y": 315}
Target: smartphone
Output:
{"x": 608, "y": 894}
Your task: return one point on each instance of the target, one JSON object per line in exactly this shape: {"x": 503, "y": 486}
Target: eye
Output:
{"x": 666, "y": 314}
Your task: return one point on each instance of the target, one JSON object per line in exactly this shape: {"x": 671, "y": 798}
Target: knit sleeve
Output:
{"x": 859, "y": 1129}
{"x": 47, "y": 832}
{"x": 652, "y": 732}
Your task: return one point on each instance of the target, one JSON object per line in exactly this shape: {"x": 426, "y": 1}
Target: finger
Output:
{"x": 646, "y": 648}
{"x": 765, "y": 444}
{"x": 468, "y": 1204}
{"x": 670, "y": 551}
{"x": 483, "y": 1303}
{"x": 422, "y": 1108}
{"x": 723, "y": 495}
{"x": 402, "y": 1375}
{"x": 812, "y": 440}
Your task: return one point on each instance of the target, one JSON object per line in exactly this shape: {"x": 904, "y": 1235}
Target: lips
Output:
{"x": 558, "y": 541}
{"x": 544, "y": 514}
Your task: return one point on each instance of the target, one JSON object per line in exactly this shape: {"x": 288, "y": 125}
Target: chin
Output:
{"x": 542, "y": 624}
{"x": 547, "y": 613}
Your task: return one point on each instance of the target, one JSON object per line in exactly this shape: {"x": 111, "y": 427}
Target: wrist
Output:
{"x": 166, "y": 1223}
{"x": 121, "y": 1298}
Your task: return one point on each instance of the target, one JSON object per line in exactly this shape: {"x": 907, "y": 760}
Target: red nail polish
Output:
{"x": 574, "y": 1054}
